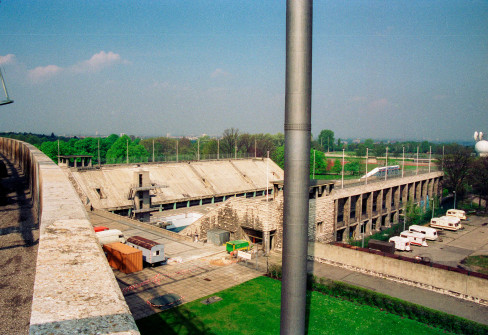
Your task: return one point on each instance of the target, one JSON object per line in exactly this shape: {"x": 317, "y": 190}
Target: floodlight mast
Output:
{"x": 7, "y": 100}
{"x": 297, "y": 165}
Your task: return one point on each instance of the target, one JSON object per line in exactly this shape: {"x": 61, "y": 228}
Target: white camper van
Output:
{"x": 451, "y": 219}
{"x": 444, "y": 224}
{"x": 401, "y": 243}
{"x": 429, "y": 233}
{"x": 457, "y": 213}
{"x": 415, "y": 238}
{"x": 110, "y": 236}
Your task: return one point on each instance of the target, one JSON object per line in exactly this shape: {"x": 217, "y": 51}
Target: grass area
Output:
{"x": 477, "y": 263}
{"x": 254, "y": 308}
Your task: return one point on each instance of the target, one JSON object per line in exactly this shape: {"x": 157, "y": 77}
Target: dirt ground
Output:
{"x": 18, "y": 251}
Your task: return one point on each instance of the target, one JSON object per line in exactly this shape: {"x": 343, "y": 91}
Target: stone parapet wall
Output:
{"x": 435, "y": 279}
{"x": 75, "y": 290}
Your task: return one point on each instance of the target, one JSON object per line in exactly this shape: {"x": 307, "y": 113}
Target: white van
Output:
{"x": 458, "y": 213}
{"x": 415, "y": 238}
{"x": 429, "y": 233}
{"x": 401, "y": 243}
{"x": 451, "y": 219}
{"x": 110, "y": 236}
{"x": 444, "y": 224}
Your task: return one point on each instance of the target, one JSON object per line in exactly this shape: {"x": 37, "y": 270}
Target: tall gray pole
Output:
{"x": 99, "y": 164}
{"x": 298, "y": 91}
{"x": 153, "y": 150}
{"x": 403, "y": 161}
{"x": 127, "y": 151}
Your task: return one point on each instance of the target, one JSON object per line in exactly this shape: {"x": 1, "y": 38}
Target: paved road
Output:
{"x": 18, "y": 251}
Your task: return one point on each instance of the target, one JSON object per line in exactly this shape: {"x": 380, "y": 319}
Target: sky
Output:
{"x": 405, "y": 70}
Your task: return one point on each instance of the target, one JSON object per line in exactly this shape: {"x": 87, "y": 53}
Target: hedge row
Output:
{"x": 392, "y": 305}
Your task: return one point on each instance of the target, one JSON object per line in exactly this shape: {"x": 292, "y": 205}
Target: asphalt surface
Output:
{"x": 19, "y": 236}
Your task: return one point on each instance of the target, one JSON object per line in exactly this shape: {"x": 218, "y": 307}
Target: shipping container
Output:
{"x": 152, "y": 252}
{"x": 384, "y": 246}
{"x": 123, "y": 257}
{"x": 218, "y": 236}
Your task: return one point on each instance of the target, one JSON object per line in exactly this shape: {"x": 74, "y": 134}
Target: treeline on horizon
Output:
{"x": 116, "y": 149}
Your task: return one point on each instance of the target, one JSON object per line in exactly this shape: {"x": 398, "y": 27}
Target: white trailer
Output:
{"x": 442, "y": 223}
{"x": 110, "y": 236}
{"x": 429, "y": 233}
{"x": 401, "y": 243}
{"x": 152, "y": 252}
{"x": 415, "y": 238}
{"x": 457, "y": 213}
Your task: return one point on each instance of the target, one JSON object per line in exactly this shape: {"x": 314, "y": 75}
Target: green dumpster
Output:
{"x": 237, "y": 245}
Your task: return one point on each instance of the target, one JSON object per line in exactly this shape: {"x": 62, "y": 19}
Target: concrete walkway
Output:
{"x": 18, "y": 251}
{"x": 440, "y": 302}
{"x": 459, "y": 307}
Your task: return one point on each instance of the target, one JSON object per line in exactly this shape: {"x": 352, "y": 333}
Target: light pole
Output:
{"x": 454, "y": 199}
{"x": 403, "y": 161}
{"x": 342, "y": 185}
{"x": 367, "y": 153}
{"x": 386, "y": 164}
{"x": 417, "y": 161}
{"x": 313, "y": 176}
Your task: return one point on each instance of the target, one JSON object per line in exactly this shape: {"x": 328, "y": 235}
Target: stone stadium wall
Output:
{"x": 75, "y": 290}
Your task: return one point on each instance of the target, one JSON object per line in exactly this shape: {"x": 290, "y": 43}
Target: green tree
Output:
{"x": 279, "y": 156}
{"x": 209, "y": 149}
{"x": 50, "y": 149}
{"x": 352, "y": 167}
{"x": 337, "y": 167}
{"x": 478, "y": 178}
{"x": 229, "y": 141}
{"x": 326, "y": 139}
{"x": 456, "y": 163}
{"x": 320, "y": 163}
{"x": 361, "y": 150}
{"x": 118, "y": 151}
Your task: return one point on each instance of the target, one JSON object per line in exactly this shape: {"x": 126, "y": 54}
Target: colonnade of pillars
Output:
{"x": 367, "y": 212}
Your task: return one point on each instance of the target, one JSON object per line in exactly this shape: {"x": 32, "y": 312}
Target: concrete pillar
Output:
{"x": 266, "y": 242}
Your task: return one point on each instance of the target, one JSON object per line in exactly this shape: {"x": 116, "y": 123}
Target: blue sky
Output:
{"x": 381, "y": 69}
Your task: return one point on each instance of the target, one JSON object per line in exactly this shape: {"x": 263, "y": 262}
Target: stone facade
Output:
{"x": 334, "y": 215}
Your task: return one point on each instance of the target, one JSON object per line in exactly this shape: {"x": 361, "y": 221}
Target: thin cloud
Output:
{"x": 219, "y": 73}
{"x": 42, "y": 73}
{"x": 98, "y": 61}
{"x": 7, "y": 59}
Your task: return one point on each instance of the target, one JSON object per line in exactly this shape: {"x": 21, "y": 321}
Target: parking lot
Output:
{"x": 201, "y": 272}
{"x": 453, "y": 246}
